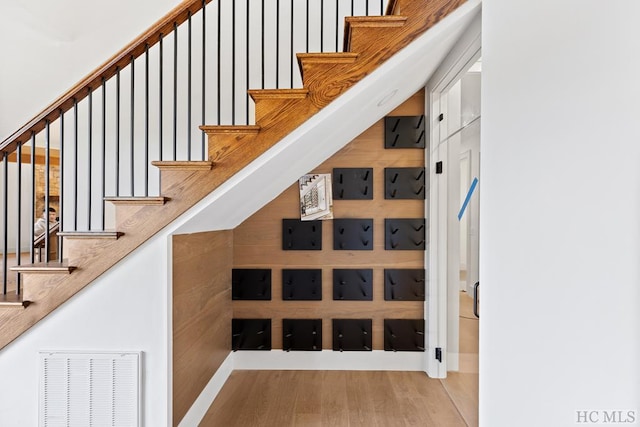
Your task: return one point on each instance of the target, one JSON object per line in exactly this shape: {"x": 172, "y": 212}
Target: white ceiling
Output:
{"x": 329, "y": 130}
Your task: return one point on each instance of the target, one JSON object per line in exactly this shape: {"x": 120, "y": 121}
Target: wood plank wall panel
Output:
{"x": 258, "y": 241}
{"x": 202, "y": 264}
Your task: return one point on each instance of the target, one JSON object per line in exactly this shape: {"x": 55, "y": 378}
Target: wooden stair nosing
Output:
{"x": 183, "y": 165}
{"x": 327, "y": 57}
{"x": 10, "y": 299}
{"x": 137, "y": 200}
{"x": 91, "y": 234}
{"x": 259, "y": 94}
{"x": 44, "y": 268}
{"x": 383, "y": 21}
{"x": 230, "y": 129}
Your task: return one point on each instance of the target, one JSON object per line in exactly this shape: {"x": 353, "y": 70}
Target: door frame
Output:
{"x": 442, "y": 304}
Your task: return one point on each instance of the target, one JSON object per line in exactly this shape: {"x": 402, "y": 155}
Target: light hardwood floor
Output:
{"x": 332, "y": 398}
{"x": 355, "y": 398}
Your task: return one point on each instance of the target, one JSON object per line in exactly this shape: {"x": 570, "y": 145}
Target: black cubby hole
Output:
{"x": 404, "y": 334}
{"x": 353, "y": 284}
{"x": 404, "y": 233}
{"x": 351, "y": 334}
{"x": 404, "y": 132}
{"x": 404, "y": 183}
{"x": 352, "y": 183}
{"x": 302, "y": 334}
{"x": 302, "y": 284}
{"x": 251, "y": 284}
{"x": 353, "y": 234}
{"x": 301, "y": 235}
{"x": 250, "y": 334}
{"x": 405, "y": 284}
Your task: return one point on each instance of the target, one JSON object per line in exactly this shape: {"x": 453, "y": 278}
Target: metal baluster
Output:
{"x": 321, "y": 25}
{"x": 160, "y": 97}
{"x": 233, "y": 62}
{"x": 146, "y": 120}
{"x": 219, "y": 53}
{"x": 104, "y": 149}
{"x": 75, "y": 166}
{"x": 277, "y": 44}
{"x": 5, "y": 220}
{"x": 337, "y": 10}
{"x": 262, "y": 53}
{"x": 132, "y": 124}
{"x": 246, "y": 121}
{"x": 19, "y": 213}
{"x": 89, "y": 155}
{"x": 61, "y": 190}
{"x": 189, "y": 86}
{"x": 117, "y": 132}
{"x": 175, "y": 89}
{"x": 291, "y": 38}
{"x": 204, "y": 57}
{"x": 33, "y": 196}
{"x": 47, "y": 172}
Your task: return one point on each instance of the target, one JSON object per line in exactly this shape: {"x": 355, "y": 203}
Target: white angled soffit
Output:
{"x": 330, "y": 129}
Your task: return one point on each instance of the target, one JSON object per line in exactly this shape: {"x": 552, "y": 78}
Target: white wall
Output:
{"x": 124, "y": 310}
{"x": 560, "y": 211}
{"x": 65, "y": 42}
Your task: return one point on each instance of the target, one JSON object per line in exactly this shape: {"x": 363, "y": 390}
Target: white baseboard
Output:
{"x": 200, "y": 407}
{"x": 377, "y": 360}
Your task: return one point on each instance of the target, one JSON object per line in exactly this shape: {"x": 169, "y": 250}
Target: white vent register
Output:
{"x": 89, "y": 389}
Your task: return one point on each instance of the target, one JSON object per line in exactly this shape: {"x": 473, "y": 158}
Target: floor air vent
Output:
{"x": 89, "y": 389}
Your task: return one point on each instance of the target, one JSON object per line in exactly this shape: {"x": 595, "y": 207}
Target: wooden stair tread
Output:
{"x": 50, "y": 267}
{"x": 258, "y": 94}
{"x": 137, "y": 200}
{"x": 231, "y": 129}
{"x": 91, "y": 234}
{"x": 13, "y": 300}
{"x": 375, "y": 21}
{"x": 327, "y": 57}
{"x": 183, "y": 165}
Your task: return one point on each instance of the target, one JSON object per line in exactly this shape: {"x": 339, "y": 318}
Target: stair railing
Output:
{"x": 191, "y": 68}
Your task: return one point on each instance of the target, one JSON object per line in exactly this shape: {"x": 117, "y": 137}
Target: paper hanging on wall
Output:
{"x": 316, "y": 197}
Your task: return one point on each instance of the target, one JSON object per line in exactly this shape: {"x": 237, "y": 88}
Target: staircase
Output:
{"x": 368, "y": 42}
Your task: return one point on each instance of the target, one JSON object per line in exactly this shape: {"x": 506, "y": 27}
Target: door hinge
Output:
{"x": 441, "y": 117}
{"x": 438, "y": 167}
{"x": 439, "y": 354}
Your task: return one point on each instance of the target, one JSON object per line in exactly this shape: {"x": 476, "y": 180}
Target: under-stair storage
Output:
{"x": 351, "y": 270}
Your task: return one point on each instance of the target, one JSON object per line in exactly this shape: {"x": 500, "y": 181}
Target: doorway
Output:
{"x": 453, "y": 255}
{"x": 453, "y": 258}
{"x": 458, "y": 107}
